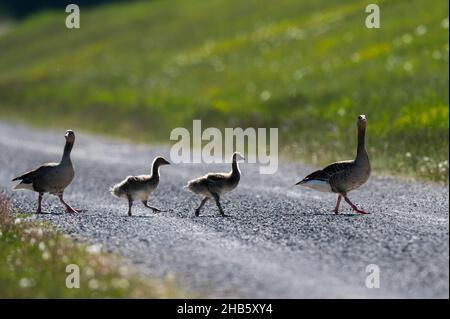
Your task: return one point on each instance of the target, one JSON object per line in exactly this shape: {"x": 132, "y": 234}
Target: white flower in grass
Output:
{"x": 295, "y": 33}
{"x": 436, "y": 55}
{"x": 93, "y": 284}
{"x": 443, "y": 166}
{"x": 407, "y": 38}
{"x": 41, "y": 246}
{"x": 46, "y": 255}
{"x": 26, "y": 283}
{"x": 421, "y": 30}
{"x": 265, "y": 95}
{"x": 407, "y": 66}
{"x": 94, "y": 249}
{"x": 341, "y": 111}
{"x": 89, "y": 272}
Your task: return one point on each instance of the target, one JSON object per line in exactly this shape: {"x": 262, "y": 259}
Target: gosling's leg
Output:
{"x": 154, "y": 209}
{"x": 336, "y": 209}
{"x": 217, "y": 198}
{"x": 197, "y": 210}
{"x": 354, "y": 206}
{"x": 130, "y": 203}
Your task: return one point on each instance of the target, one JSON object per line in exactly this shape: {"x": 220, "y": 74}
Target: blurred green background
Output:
{"x": 138, "y": 69}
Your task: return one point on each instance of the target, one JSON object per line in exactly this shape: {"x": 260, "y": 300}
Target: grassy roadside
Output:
{"x": 34, "y": 259}
{"x": 138, "y": 70}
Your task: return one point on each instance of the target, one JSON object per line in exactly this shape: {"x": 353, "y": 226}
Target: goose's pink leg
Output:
{"x": 39, "y": 209}
{"x": 338, "y": 202}
{"x": 69, "y": 209}
{"x": 354, "y": 206}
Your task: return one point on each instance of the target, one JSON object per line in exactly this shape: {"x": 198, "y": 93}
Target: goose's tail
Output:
{"x": 117, "y": 191}
{"x": 196, "y": 186}
{"x": 190, "y": 186}
{"x": 23, "y": 185}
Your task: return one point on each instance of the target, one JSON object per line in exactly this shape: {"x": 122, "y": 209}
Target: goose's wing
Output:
{"x": 216, "y": 181}
{"x": 132, "y": 179}
{"x": 132, "y": 183}
{"x": 326, "y": 173}
{"x": 337, "y": 167}
{"x": 216, "y": 177}
{"x": 30, "y": 175}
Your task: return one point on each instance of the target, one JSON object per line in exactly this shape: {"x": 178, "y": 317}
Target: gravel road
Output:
{"x": 281, "y": 241}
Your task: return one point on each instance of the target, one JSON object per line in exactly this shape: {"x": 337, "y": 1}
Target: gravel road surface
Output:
{"x": 281, "y": 241}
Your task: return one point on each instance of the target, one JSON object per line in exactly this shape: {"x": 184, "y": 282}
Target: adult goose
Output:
{"x": 213, "y": 185}
{"x": 51, "y": 178}
{"x": 345, "y": 176}
{"x": 140, "y": 187}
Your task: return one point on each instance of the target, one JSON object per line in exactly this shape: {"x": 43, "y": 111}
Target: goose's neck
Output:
{"x": 361, "y": 151}
{"x": 67, "y": 149}
{"x": 155, "y": 171}
{"x": 235, "y": 168}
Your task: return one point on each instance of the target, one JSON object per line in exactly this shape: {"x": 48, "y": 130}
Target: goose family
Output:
{"x": 344, "y": 176}
{"x": 213, "y": 185}
{"x": 339, "y": 177}
{"x": 51, "y": 178}
{"x": 140, "y": 187}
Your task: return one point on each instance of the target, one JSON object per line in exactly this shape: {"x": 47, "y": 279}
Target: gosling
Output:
{"x": 213, "y": 185}
{"x": 140, "y": 187}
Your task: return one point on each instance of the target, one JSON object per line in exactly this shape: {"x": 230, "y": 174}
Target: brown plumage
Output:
{"x": 51, "y": 178}
{"x": 345, "y": 176}
{"x": 140, "y": 187}
{"x": 213, "y": 185}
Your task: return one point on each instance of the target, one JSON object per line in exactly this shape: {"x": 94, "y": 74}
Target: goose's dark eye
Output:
{"x": 360, "y": 117}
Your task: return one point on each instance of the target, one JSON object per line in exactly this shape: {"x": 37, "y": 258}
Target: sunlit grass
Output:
{"x": 307, "y": 67}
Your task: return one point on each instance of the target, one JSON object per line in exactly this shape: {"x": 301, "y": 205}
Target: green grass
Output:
{"x": 307, "y": 67}
{"x": 34, "y": 259}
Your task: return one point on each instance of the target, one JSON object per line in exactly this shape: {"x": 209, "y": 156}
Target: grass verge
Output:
{"x": 34, "y": 257}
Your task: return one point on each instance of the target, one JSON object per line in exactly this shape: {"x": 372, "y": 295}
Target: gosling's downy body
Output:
{"x": 140, "y": 187}
{"x": 345, "y": 176}
{"x": 51, "y": 178}
{"x": 214, "y": 185}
